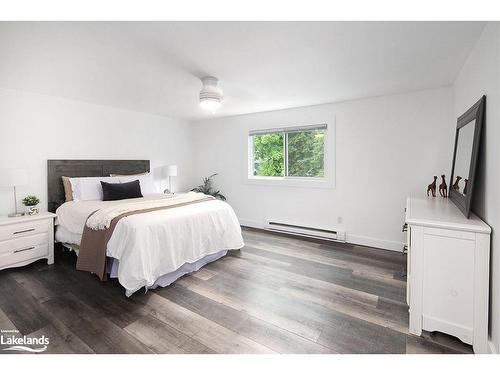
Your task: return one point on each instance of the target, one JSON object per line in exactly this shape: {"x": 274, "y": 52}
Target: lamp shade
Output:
{"x": 13, "y": 177}
{"x": 171, "y": 170}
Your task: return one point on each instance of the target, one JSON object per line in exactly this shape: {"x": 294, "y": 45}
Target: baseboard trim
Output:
{"x": 251, "y": 223}
{"x": 374, "y": 242}
{"x": 350, "y": 238}
{"x": 492, "y": 348}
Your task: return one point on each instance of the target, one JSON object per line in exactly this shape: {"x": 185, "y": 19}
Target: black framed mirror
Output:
{"x": 465, "y": 155}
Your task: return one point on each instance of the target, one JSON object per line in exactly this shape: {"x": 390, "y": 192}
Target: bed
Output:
{"x": 149, "y": 241}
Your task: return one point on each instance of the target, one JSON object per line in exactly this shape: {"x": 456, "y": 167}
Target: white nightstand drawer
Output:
{"x": 23, "y": 254}
{"x": 29, "y": 228}
{"x": 17, "y": 245}
{"x": 25, "y": 239}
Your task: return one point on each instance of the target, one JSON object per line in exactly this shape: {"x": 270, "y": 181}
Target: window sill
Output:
{"x": 304, "y": 182}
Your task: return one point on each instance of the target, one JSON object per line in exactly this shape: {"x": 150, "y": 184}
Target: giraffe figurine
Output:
{"x": 443, "y": 188}
{"x": 432, "y": 187}
{"x": 455, "y": 184}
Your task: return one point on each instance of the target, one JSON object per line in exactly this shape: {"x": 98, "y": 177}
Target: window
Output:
{"x": 288, "y": 153}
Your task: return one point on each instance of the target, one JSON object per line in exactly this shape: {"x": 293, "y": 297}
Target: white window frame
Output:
{"x": 327, "y": 181}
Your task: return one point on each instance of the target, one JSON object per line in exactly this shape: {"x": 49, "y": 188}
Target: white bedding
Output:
{"x": 74, "y": 214}
{"x": 102, "y": 219}
{"x": 65, "y": 236}
{"x": 156, "y": 243}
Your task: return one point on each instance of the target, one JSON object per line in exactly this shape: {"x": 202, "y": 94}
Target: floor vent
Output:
{"x": 300, "y": 230}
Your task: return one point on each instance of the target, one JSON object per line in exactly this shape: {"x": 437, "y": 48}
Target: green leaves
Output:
{"x": 206, "y": 188}
{"x": 31, "y": 200}
{"x": 268, "y": 155}
{"x": 306, "y": 154}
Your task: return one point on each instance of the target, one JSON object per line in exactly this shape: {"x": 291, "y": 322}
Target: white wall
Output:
{"x": 34, "y": 128}
{"x": 386, "y": 148}
{"x": 481, "y": 75}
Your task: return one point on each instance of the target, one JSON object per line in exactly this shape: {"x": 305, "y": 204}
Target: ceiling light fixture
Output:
{"x": 210, "y": 94}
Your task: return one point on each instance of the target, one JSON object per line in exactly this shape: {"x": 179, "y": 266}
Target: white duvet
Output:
{"x": 153, "y": 244}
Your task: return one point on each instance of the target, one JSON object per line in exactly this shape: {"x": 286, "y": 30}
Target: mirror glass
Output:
{"x": 463, "y": 157}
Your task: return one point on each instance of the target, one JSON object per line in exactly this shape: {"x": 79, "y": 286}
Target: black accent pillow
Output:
{"x": 127, "y": 190}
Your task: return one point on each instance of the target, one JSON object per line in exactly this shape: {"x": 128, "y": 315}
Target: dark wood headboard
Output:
{"x": 85, "y": 168}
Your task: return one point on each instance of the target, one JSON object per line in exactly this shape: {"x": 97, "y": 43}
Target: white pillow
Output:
{"x": 89, "y": 188}
{"x": 145, "y": 181}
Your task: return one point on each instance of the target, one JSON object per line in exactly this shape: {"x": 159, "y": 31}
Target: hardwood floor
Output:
{"x": 276, "y": 295}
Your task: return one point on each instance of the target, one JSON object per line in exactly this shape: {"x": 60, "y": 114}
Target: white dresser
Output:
{"x": 26, "y": 239}
{"x": 448, "y": 271}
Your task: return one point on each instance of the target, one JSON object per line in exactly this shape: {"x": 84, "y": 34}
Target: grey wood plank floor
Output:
{"x": 278, "y": 294}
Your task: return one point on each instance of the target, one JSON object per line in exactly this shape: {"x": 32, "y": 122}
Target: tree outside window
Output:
{"x": 299, "y": 152}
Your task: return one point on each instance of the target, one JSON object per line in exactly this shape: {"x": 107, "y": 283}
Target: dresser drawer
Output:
{"x": 19, "y": 244}
{"x": 17, "y": 255}
{"x": 18, "y": 230}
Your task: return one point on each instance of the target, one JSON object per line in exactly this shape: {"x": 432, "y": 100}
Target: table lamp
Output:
{"x": 11, "y": 177}
{"x": 170, "y": 171}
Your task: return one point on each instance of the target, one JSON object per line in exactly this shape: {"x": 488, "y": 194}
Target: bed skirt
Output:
{"x": 168, "y": 278}
{"x": 112, "y": 265}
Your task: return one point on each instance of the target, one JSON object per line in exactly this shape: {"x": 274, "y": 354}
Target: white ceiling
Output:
{"x": 155, "y": 66}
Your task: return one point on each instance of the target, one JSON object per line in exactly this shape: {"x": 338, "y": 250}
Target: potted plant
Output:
{"x": 31, "y": 201}
{"x": 206, "y": 188}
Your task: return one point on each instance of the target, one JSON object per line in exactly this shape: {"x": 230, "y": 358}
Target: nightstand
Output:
{"x": 26, "y": 239}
